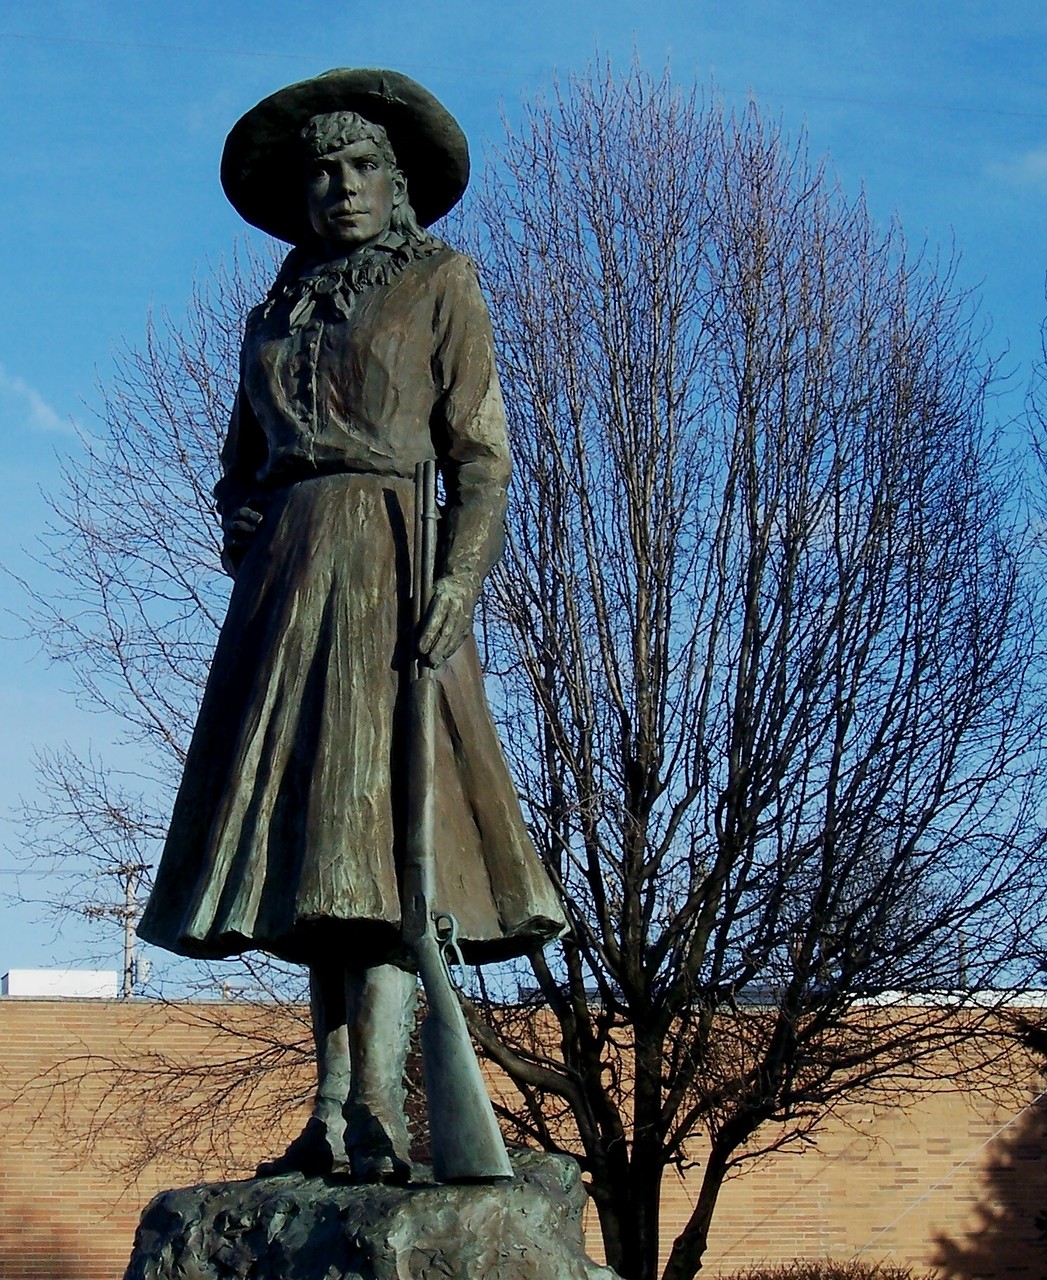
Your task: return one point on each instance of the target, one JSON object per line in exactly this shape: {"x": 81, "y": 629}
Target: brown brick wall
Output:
{"x": 925, "y": 1183}
{"x": 72, "y": 1123}
{"x": 919, "y": 1183}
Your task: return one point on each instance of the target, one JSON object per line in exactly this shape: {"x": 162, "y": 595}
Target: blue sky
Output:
{"x": 113, "y": 115}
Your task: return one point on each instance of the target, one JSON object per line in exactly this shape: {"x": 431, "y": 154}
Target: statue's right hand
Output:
{"x": 239, "y": 527}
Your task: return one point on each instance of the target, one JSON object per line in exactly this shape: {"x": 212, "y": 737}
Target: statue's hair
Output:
{"x": 337, "y": 129}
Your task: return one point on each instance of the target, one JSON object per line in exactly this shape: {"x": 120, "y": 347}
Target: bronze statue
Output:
{"x": 372, "y": 353}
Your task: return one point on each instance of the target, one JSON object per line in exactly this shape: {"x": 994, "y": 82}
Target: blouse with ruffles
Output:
{"x": 372, "y": 364}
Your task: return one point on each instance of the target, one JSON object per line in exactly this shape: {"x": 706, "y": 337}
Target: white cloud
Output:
{"x": 1027, "y": 170}
{"x": 31, "y": 405}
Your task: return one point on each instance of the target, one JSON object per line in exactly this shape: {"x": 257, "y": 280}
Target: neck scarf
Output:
{"x": 329, "y": 288}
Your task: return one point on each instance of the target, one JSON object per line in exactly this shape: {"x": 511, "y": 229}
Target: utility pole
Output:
{"x": 128, "y": 985}
{"x": 961, "y": 944}
{"x": 130, "y": 875}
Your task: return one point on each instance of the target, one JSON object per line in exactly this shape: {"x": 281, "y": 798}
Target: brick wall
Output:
{"x": 948, "y": 1181}
{"x": 75, "y": 1122}
{"x": 921, "y": 1183}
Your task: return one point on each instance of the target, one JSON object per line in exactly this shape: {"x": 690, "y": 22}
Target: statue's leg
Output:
{"x": 320, "y": 1147}
{"x": 380, "y": 1002}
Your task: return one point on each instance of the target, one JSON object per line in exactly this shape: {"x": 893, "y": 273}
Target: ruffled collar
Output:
{"x": 305, "y": 284}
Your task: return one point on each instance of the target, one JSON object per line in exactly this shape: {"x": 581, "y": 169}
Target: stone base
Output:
{"x": 297, "y": 1228}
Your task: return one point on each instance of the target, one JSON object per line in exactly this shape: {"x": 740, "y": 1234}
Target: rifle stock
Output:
{"x": 467, "y": 1144}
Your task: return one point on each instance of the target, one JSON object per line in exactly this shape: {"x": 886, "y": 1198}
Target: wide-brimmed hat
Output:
{"x": 262, "y": 171}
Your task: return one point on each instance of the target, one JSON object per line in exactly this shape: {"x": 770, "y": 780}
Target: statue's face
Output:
{"x": 351, "y": 195}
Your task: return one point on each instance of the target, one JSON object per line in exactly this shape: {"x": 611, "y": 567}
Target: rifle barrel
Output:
{"x": 467, "y": 1145}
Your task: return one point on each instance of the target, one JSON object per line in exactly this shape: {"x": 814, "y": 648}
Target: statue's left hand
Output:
{"x": 239, "y": 527}
{"x": 448, "y": 620}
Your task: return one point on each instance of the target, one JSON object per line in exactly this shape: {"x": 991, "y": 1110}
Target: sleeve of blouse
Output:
{"x": 243, "y": 453}
{"x": 468, "y": 429}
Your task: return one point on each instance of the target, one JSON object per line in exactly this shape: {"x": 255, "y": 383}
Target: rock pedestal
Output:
{"x": 297, "y": 1228}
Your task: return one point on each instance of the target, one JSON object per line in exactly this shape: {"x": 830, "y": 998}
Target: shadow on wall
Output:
{"x": 1009, "y": 1236}
{"x": 33, "y": 1246}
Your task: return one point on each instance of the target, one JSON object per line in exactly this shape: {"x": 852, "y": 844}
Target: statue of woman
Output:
{"x": 371, "y": 352}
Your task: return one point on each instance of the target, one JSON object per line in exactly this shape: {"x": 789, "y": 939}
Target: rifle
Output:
{"x": 467, "y": 1145}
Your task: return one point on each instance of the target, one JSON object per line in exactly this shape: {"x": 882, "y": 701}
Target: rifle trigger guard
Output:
{"x": 445, "y": 926}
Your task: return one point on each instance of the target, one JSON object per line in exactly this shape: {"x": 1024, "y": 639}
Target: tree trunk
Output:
{"x": 629, "y": 1221}
{"x": 685, "y": 1259}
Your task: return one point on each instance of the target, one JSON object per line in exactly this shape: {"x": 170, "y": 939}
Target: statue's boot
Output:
{"x": 320, "y": 1148}
{"x": 315, "y": 1153}
{"x": 380, "y": 1003}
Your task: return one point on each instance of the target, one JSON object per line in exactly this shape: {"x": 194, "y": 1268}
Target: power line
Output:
{"x": 139, "y": 44}
{"x": 882, "y": 104}
{"x": 196, "y": 48}
{"x": 51, "y": 871}
{"x": 900, "y": 104}
{"x": 947, "y": 1177}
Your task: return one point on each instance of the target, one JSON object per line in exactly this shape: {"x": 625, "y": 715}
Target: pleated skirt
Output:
{"x": 287, "y": 831}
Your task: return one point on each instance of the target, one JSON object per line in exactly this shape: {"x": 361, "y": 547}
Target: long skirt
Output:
{"x": 287, "y": 832}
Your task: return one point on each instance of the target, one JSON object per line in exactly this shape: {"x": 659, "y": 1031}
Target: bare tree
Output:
{"x": 144, "y": 1100}
{"x": 130, "y": 597}
{"x": 127, "y": 607}
{"x": 765, "y": 642}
